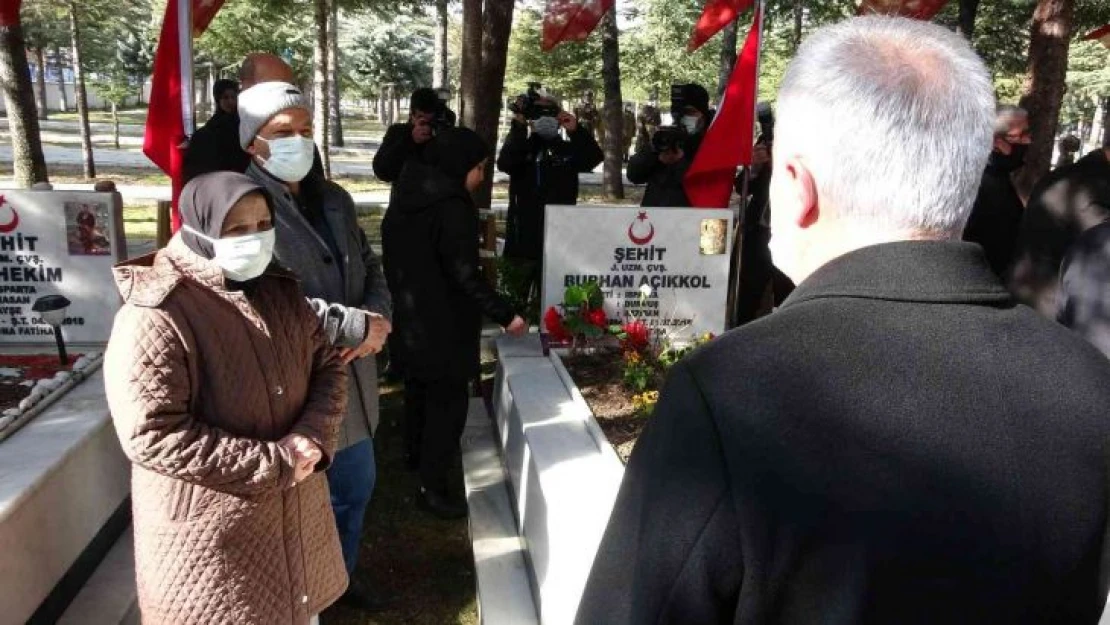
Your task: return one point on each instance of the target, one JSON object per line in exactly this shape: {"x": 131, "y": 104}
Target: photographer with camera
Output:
{"x": 545, "y": 151}
{"x": 663, "y": 165}
{"x": 428, "y": 113}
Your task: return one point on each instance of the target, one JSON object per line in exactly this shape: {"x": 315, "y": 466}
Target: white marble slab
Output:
{"x": 504, "y": 591}
{"x": 110, "y": 595}
{"x": 61, "y": 477}
{"x": 563, "y": 481}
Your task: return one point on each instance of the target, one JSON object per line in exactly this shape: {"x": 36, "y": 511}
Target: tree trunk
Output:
{"x": 79, "y": 89}
{"x": 612, "y": 176}
{"x": 15, "y": 80}
{"x": 60, "y": 67}
{"x": 968, "y": 10}
{"x": 1106, "y": 122}
{"x": 115, "y": 125}
{"x": 335, "y": 111}
{"x": 1048, "y": 64}
{"x": 40, "y": 84}
{"x": 470, "y": 77}
{"x": 497, "y": 24}
{"x": 320, "y": 83}
{"x": 439, "y": 69}
{"x": 799, "y": 15}
{"x": 728, "y": 58}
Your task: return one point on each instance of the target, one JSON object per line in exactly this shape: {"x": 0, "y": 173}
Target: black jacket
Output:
{"x": 899, "y": 443}
{"x": 397, "y": 148}
{"x": 1084, "y": 301}
{"x": 541, "y": 173}
{"x": 996, "y": 217}
{"x": 664, "y": 182}
{"x": 215, "y": 147}
{"x": 430, "y": 251}
{"x": 1063, "y": 205}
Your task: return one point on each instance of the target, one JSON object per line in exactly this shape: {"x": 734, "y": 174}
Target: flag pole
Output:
{"x": 185, "y": 45}
{"x": 738, "y": 238}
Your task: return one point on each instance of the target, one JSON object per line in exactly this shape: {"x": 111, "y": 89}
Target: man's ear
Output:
{"x": 802, "y": 184}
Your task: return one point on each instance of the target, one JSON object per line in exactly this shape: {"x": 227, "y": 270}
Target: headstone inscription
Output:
{"x": 59, "y": 243}
{"x": 667, "y": 267}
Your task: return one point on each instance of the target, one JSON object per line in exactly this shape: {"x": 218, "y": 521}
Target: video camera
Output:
{"x": 534, "y": 104}
{"x": 668, "y": 138}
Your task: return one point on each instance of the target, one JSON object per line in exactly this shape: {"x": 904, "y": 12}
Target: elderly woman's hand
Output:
{"x": 305, "y": 455}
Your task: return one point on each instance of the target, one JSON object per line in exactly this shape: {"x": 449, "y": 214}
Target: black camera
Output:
{"x": 766, "y": 117}
{"x": 533, "y": 104}
{"x": 668, "y": 138}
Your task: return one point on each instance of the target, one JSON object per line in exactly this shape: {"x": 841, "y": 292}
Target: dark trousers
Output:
{"x": 351, "y": 478}
{"x": 435, "y": 415}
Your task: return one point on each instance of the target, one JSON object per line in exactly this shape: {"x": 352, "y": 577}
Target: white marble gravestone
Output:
{"x": 59, "y": 243}
{"x": 665, "y": 266}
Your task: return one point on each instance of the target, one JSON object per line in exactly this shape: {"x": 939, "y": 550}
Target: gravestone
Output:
{"x": 59, "y": 243}
{"x": 665, "y": 266}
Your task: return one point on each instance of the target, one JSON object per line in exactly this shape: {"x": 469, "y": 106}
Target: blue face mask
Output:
{"x": 290, "y": 158}
{"x": 546, "y": 127}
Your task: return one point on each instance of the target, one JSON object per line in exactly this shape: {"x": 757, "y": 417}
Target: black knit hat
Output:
{"x": 691, "y": 95}
{"x": 455, "y": 151}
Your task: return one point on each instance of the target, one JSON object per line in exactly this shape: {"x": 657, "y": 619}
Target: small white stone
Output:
{"x": 63, "y": 375}
{"x": 37, "y": 394}
{"x": 81, "y": 364}
{"x": 12, "y": 412}
{"x": 27, "y": 383}
{"x": 10, "y": 372}
{"x": 26, "y": 404}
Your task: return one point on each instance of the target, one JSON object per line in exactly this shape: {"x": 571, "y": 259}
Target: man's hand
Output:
{"x": 672, "y": 156}
{"x": 305, "y": 455}
{"x": 421, "y": 132}
{"x": 517, "y": 327}
{"x": 568, "y": 121}
{"x": 377, "y": 331}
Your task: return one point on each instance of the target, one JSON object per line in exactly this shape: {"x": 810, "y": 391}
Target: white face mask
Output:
{"x": 691, "y": 123}
{"x": 546, "y": 127}
{"x": 242, "y": 258}
{"x": 290, "y": 157}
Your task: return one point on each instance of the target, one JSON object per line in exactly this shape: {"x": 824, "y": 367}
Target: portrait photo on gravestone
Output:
{"x": 86, "y": 230}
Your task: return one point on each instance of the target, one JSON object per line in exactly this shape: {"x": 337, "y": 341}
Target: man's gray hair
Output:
{"x": 895, "y": 118}
{"x": 1006, "y": 114}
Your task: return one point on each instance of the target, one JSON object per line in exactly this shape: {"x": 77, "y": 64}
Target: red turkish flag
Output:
{"x": 571, "y": 20}
{"x": 715, "y": 16}
{"x": 729, "y": 139}
{"x": 1101, "y": 35}
{"x": 9, "y": 12}
{"x": 916, "y": 9}
{"x": 169, "y": 106}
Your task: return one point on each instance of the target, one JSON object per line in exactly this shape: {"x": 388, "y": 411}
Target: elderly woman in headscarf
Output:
{"x": 227, "y": 399}
{"x": 430, "y": 251}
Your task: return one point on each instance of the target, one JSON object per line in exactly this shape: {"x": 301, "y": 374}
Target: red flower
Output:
{"x": 597, "y": 318}
{"x": 553, "y": 321}
{"x": 637, "y": 335}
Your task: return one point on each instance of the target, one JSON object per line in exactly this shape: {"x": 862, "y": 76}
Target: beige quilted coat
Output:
{"x": 201, "y": 382}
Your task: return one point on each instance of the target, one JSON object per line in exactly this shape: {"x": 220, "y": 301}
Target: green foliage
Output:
{"x": 397, "y": 50}
{"x": 566, "y": 71}
{"x": 639, "y": 373}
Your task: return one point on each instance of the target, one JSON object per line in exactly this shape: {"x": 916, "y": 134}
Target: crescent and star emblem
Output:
{"x": 10, "y": 226}
{"x": 641, "y": 240}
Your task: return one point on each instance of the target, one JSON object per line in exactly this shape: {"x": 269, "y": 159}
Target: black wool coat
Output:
{"x": 996, "y": 217}
{"x": 430, "y": 251}
{"x": 397, "y": 148}
{"x": 215, "y": 147}
{"x": 898, "y": 443}
{"x": 1063, "y": 205}
{"x": 541, "y": 173}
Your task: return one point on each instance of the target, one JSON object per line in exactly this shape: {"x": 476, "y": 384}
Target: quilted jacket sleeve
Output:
{"x": 326, "y": 404}
{"x": 148, "y": 388}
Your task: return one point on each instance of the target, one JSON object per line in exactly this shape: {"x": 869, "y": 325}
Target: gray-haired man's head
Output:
{"x": 884, "y": 128}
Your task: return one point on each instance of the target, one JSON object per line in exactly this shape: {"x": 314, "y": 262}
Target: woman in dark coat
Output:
{"x": 430, "y": 252}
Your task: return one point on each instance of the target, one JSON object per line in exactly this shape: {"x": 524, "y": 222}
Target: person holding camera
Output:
{"x": 663, "y": 164}
{"x": 545, "y": 151}
{"x": 402, "y": 142}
